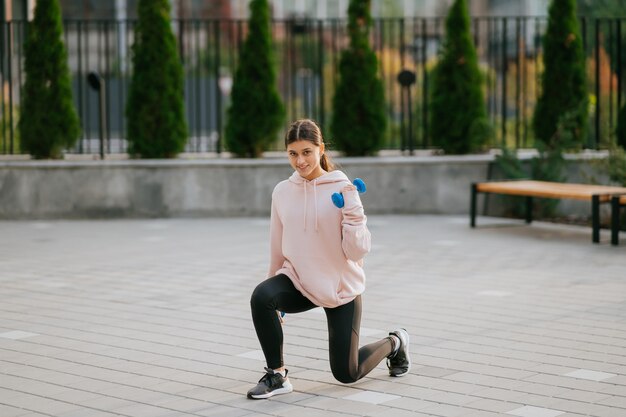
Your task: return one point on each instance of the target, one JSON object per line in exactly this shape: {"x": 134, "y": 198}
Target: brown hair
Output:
{"x": 307, "y": 129}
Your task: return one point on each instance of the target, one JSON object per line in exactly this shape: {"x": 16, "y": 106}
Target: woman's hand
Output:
{"x": 348, "y": 188}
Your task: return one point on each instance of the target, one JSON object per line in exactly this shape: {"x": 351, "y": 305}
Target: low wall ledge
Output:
{"x": 278, "y": 161}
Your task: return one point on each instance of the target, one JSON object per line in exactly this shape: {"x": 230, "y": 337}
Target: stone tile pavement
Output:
{"x": 147, "y": 318}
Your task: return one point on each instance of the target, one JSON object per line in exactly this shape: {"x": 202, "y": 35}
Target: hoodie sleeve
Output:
{"x": 356, "y": 238}
{"x": 276, "y": 242}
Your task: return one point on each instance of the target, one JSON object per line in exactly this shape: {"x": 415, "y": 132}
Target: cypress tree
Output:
{"x": 256, "y": 112}
{"x": 458, "y": 117}
{"x": 358, "y": 121}
{"x": 48, "y": 121}
{"x": 563, "y": 99}
{"x": 155, "y": 106}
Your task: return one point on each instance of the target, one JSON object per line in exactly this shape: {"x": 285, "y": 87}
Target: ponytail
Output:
{"x": 326, "y": 163}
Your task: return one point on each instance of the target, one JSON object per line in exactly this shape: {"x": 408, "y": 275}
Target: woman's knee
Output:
{"x": 261, "y": 296}
{"x": 343, "y": 375}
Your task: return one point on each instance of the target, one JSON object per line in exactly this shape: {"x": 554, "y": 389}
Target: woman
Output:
{"x": 316, "y": 260}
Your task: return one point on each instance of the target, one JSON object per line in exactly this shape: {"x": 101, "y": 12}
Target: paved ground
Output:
{"x": 150, "y": 318}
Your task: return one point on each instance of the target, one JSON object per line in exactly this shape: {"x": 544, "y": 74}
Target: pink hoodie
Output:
{"x": 317, "y": 245}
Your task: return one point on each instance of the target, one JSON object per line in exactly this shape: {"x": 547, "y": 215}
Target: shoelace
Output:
{"x": 270, "y": 377}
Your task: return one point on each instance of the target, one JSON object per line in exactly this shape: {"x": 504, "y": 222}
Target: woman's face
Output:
{"x": 304, "y": 157}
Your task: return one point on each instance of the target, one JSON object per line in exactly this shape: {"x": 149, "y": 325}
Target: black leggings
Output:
{"x": 347, "y": 362}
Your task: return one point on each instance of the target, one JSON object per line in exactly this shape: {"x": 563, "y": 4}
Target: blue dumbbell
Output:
{"x": 360, "y": 187}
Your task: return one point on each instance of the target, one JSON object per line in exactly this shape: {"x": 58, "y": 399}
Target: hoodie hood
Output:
{"x": 326, "y": 178}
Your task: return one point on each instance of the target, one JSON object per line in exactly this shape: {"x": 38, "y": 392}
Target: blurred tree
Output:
{"x": 564, "y": 91}
{"x": 155, "y": 106}
{"x": 358, "y": 121}
{"x": 256, "y": 111}
{"x": 48, "y": 121}
{"x": 459, "y": 122}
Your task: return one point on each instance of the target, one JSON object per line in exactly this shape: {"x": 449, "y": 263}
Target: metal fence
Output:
{"x": 307, "y": 57}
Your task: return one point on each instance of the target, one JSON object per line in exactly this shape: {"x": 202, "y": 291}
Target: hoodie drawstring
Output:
{"x": 315, "y": 199}
{"x": 305, "y": 205}
{"x": 314, "y": 202}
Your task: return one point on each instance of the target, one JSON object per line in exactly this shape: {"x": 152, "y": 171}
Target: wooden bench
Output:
{"x": 596, "y": 194}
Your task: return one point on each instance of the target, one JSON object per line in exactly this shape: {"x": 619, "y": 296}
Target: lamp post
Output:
{"x": 96, "y": 81}
{"x": 407, "y": 78}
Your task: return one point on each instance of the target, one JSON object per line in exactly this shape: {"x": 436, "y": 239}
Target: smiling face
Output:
{"x": 304, "y": 157}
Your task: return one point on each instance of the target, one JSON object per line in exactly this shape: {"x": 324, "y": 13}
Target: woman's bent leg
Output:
{"x": 275, "y": 293}
{"x": 349, "y": 363}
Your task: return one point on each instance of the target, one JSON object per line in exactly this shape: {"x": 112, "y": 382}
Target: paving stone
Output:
{"x": 9, "y": 411}
{"x": 490, "y": 405}
{"x": 82, "y": 412}
{"x": 529, "y": 411}
{"x": 371, "y": 397}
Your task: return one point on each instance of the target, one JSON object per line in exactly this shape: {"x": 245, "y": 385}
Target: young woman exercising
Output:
{"x": 316, "y": 260}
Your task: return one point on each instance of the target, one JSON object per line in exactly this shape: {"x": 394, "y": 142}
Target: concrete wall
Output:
{"x": 231, "y": 187}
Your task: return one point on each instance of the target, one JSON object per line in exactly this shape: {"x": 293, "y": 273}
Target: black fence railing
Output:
{"x": 307, "y": 55}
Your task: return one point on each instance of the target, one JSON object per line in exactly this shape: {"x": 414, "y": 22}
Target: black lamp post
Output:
{"x": 407, "y": 78}
{"x": 97, "y": 83}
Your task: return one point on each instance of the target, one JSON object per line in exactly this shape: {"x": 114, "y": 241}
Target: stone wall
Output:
{"x": 237, "y": 187}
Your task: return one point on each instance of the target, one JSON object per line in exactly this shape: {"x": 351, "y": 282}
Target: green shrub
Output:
{"x": 358, "y": 121}
{"x": 49, "y": 122}
{"x": 155, "y": 106}
{"x": 548, "y": 165}
{"x": 458, "y": 117}
{"x": 509, "y": 165}
{"x": 256, "y": 112}
{"x": 563, "y": 81}
{"x": 615, "y": 165}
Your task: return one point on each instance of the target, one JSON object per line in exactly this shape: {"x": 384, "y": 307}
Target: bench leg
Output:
{"x": 595, "y": 218}
{"x": 529, "y": 209}
{"x": 473, "y": 206}
{"x": 615, "y": 221}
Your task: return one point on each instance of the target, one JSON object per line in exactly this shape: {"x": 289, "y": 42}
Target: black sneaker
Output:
{"x": 400, "y": 363}
{"x": 272, "y": 383}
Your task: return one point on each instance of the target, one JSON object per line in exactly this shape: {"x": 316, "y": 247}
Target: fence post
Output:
{"x": 597, "y": 79}
{"x": 10, "y": 28}
{"x": 504, "y": 75}
{"x": 619, "y": 65}
{"x": 2, "y": 72}
{"x": 218, "y": 90}
{"x": 320, "y": 60}
{"x": 518, "y": 79}
{"x": 425, "y": 141}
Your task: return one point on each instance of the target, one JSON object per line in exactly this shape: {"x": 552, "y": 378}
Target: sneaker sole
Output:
{"x": 286, "y": 389}
{"x": 408, "y": 343}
